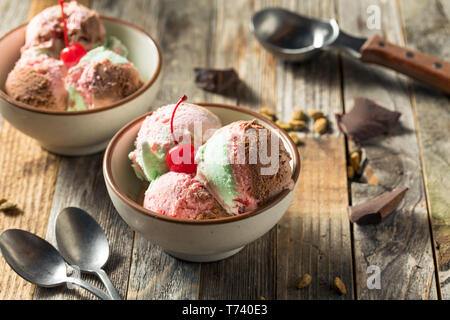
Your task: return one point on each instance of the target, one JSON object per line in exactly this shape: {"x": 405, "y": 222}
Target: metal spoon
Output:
{"x": 82, "y": 242}
{"x": 38, "y": 262}
{"x": 293, "y": 37}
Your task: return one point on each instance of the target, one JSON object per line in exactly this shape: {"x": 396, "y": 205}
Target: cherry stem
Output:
{"x": 183, "y": 98}
{"x": 66, "y": 38}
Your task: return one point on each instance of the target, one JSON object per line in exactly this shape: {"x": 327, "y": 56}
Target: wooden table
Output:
{"x": 411, "y": 248}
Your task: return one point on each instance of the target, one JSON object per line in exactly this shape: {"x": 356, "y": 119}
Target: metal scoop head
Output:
{"x": 294, "y": 37}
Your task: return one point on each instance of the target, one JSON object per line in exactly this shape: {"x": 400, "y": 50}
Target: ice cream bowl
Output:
{"x": 83, "y": 132}
{"x": 192, "y": 240}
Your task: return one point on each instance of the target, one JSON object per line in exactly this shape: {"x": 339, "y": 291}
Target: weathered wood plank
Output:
{"x": 28, "y": 177}
{"x": 183, "y": 35}
{"x": 37, "y": 6}
{"x": 78, "y": 186}
{"x": 13, "y": 14}
{"x": 234, "y": 46}
{"x": 80, "y": 183}
{"x": 401, "y": 245}
{"x": 314, "y": 84}
{"x": 276, "y": 84}
{"x": 314, "y": 237}
{"x": 432, "y": 36}
{"x": 253, "y": 269}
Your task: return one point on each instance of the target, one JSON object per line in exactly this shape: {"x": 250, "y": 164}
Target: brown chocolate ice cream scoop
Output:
{"x": 33, "y": 88}
{"x": 244, "y": 165}
{"x": 264, "y": 186}
{"x": 113, "y": 82}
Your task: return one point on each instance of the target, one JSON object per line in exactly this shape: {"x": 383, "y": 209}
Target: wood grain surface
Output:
{"x": 253, "y": 269}
{"x": 80, "y": 184}
{"x": 315, "y": 235}
{"x": 180, "y": 31}
{"x": 37, "y": 6}
{"x": 401, "y": 245}
{"x": 28, "y": 176}
{"x": 432, "y": 117}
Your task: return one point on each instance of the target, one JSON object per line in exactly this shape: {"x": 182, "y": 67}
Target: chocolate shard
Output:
{"x": 366, "y": 120}
{"x": 375, "y": 210}
{"x": 216, "y": 80}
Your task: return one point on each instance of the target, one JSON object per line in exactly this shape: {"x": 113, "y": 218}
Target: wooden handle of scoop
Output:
{"x": 422, "y": 67}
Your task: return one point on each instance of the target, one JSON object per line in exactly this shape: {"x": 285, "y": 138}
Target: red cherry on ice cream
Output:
{"x": 181, "y": 158}
{"x": 72, "y": 54}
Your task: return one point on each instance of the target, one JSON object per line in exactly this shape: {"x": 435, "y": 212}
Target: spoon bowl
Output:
{"x": 81, "y": 240}
{"x": 33, "y": 258}
{"x": 83, "y": 243}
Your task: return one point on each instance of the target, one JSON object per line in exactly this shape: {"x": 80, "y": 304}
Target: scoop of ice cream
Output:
{"x": 101, "y": 78}
{"x": 46, "y": 31}
{"x": 38, "y": 80}
{"x": 180, "y": 195}
{"x": 244, "y": 165}
{"x": 192, "y": 124}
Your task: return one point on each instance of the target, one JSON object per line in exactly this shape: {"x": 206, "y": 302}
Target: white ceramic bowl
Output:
{"x": 199, "y": 241}
{"x": 83, "y": 132}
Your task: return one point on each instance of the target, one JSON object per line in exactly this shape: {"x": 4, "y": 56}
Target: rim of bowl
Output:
{"x": 107, "y": 173}
{"x": 119, "y": 103}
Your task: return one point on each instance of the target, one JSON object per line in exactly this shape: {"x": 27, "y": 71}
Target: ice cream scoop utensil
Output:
{"x": 293, "y": 37}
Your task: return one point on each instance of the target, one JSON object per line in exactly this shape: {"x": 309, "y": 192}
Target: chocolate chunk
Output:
{"x": 375, "y": 210}
{"x": 367, "y": 120}
{"x": 215, "y": 80}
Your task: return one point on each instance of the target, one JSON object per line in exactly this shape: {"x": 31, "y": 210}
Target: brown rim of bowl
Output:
{"x": 144, "y": 88}
{"x": 113, "y": 186}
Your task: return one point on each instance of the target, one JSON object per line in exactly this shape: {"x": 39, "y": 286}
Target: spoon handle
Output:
{"x": 88, "y": 287}
{"x": 422, "y": 67}
{"x": 108, "y": 284}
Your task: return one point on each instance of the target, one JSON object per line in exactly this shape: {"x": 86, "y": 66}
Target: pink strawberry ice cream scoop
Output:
{"x": 192, "y": 124}
{"x": 45, "y": 30}
{"x": 38, "y": 80}
{"x": 244, "y": 165}
{"x": 182, "y": 196}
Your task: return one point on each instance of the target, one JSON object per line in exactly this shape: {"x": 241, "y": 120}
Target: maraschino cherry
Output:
{"x": 73, "y": 53}
{"x": 181, "y": 158}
